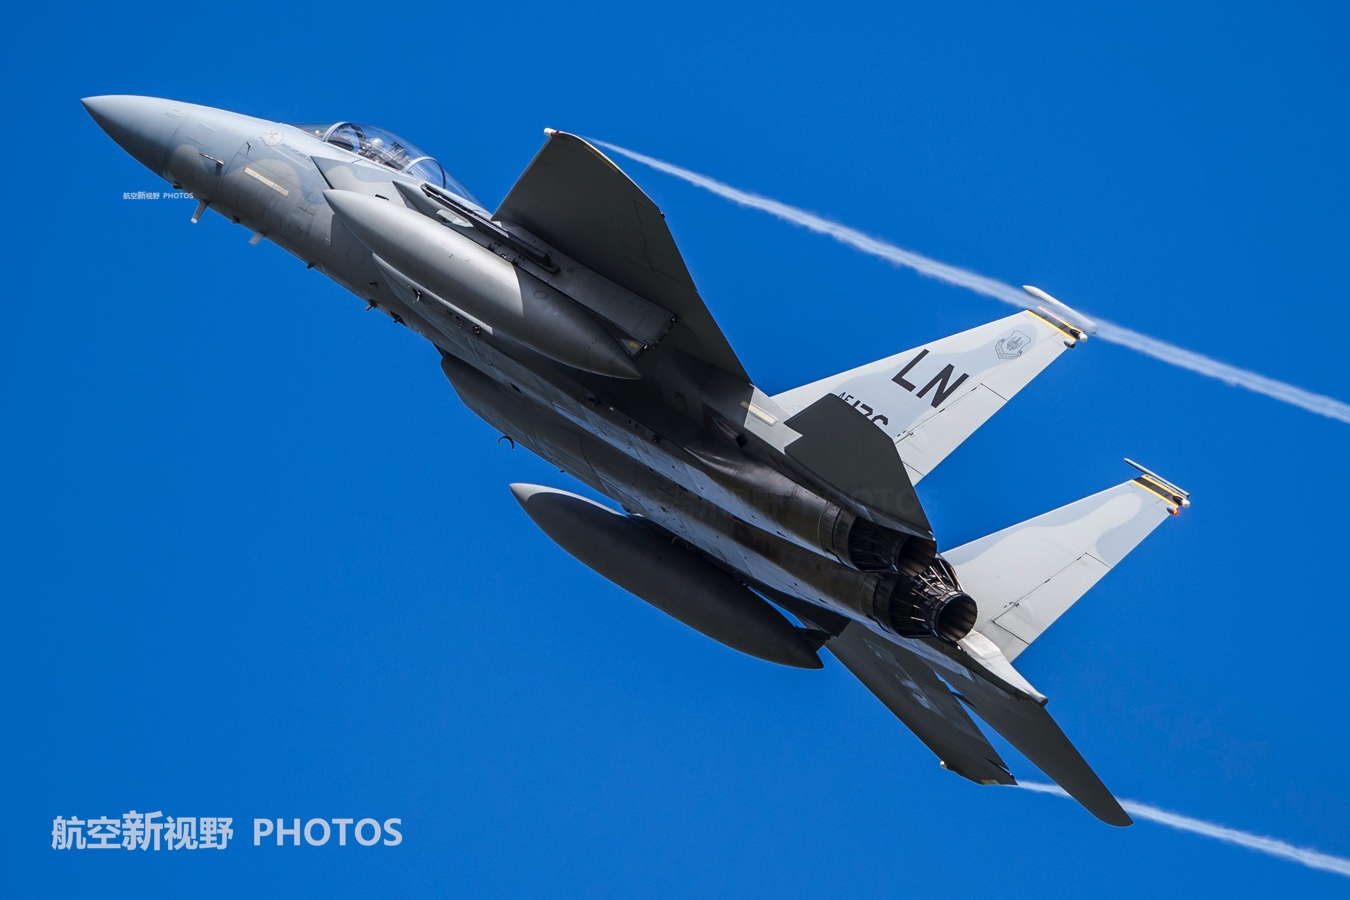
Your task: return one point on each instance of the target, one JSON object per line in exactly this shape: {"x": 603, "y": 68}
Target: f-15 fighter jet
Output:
{"x": 566, "y": 318}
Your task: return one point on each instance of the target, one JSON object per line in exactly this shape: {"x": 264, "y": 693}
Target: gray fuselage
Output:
{"x": 625, "y": 439}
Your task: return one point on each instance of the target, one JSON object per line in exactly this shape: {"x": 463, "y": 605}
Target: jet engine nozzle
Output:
{"x": 956, "y": 617}
{"x": 930, "y": 603}
{"x": 869, "y": 547}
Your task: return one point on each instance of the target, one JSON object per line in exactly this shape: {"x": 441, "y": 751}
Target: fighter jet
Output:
{"x": 567, "y": 319}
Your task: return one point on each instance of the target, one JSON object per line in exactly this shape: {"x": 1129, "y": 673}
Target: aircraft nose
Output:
{"x": 142, "y": 126}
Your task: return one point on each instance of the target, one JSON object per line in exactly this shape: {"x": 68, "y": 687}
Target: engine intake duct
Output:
{"x": 930, "y": 603}
{"x": 869, "y": 547}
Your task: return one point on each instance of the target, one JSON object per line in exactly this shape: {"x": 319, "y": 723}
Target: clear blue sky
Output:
{"x": 259, "y": 561}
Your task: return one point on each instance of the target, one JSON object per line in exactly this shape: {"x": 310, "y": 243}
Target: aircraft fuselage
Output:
{"x": 568, "y": 321}
{"x": 616, "y": 436}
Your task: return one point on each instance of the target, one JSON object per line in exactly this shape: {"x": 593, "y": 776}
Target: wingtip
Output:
{"x": 1117, "y": 818}
{"x": 1159, "y": 485}
{"x": 1061, "y": 309}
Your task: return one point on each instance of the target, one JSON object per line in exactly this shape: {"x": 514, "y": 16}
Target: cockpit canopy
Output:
{"x": 388, "y": 149}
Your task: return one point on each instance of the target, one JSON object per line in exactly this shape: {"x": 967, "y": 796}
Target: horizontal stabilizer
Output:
{"x": 1026, "y": 576}
{"x": 843, "y": 451}
{"x": 930, "y": 399}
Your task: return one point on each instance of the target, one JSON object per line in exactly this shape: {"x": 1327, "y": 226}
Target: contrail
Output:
{"x": 990, "y": 287}
{"x": 1270, "y": 846}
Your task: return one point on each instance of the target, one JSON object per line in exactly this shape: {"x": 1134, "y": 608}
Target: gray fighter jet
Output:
{"x": 567, "y": 320}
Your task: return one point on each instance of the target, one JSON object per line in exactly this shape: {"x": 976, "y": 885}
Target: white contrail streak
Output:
{"x": 1270, "y": 846}
{"x": 990, "y": 287}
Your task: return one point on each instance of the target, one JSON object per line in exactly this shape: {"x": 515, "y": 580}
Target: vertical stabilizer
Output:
{"x": 928, "y": 400}
{"x": 1025, "y": 577}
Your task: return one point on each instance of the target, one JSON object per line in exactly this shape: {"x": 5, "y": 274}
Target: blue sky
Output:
{"x": 259, "y": 561}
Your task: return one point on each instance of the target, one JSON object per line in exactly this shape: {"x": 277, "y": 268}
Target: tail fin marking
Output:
{"x": 930, "y": 399}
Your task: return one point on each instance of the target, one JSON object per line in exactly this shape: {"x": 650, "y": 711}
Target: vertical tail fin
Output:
{"x": 1025, "y": 577}
{"x": 930, "y": 399}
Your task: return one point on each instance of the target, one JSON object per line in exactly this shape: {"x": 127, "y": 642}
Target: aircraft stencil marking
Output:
{"x": 863, "y": 408}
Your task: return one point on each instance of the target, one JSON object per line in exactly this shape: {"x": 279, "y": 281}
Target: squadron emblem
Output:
{"x": 1011, "y": 346}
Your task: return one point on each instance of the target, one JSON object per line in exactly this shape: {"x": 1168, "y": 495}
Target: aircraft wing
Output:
{"x": 911, "y": 690}
{"x": 573, "y": 197}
